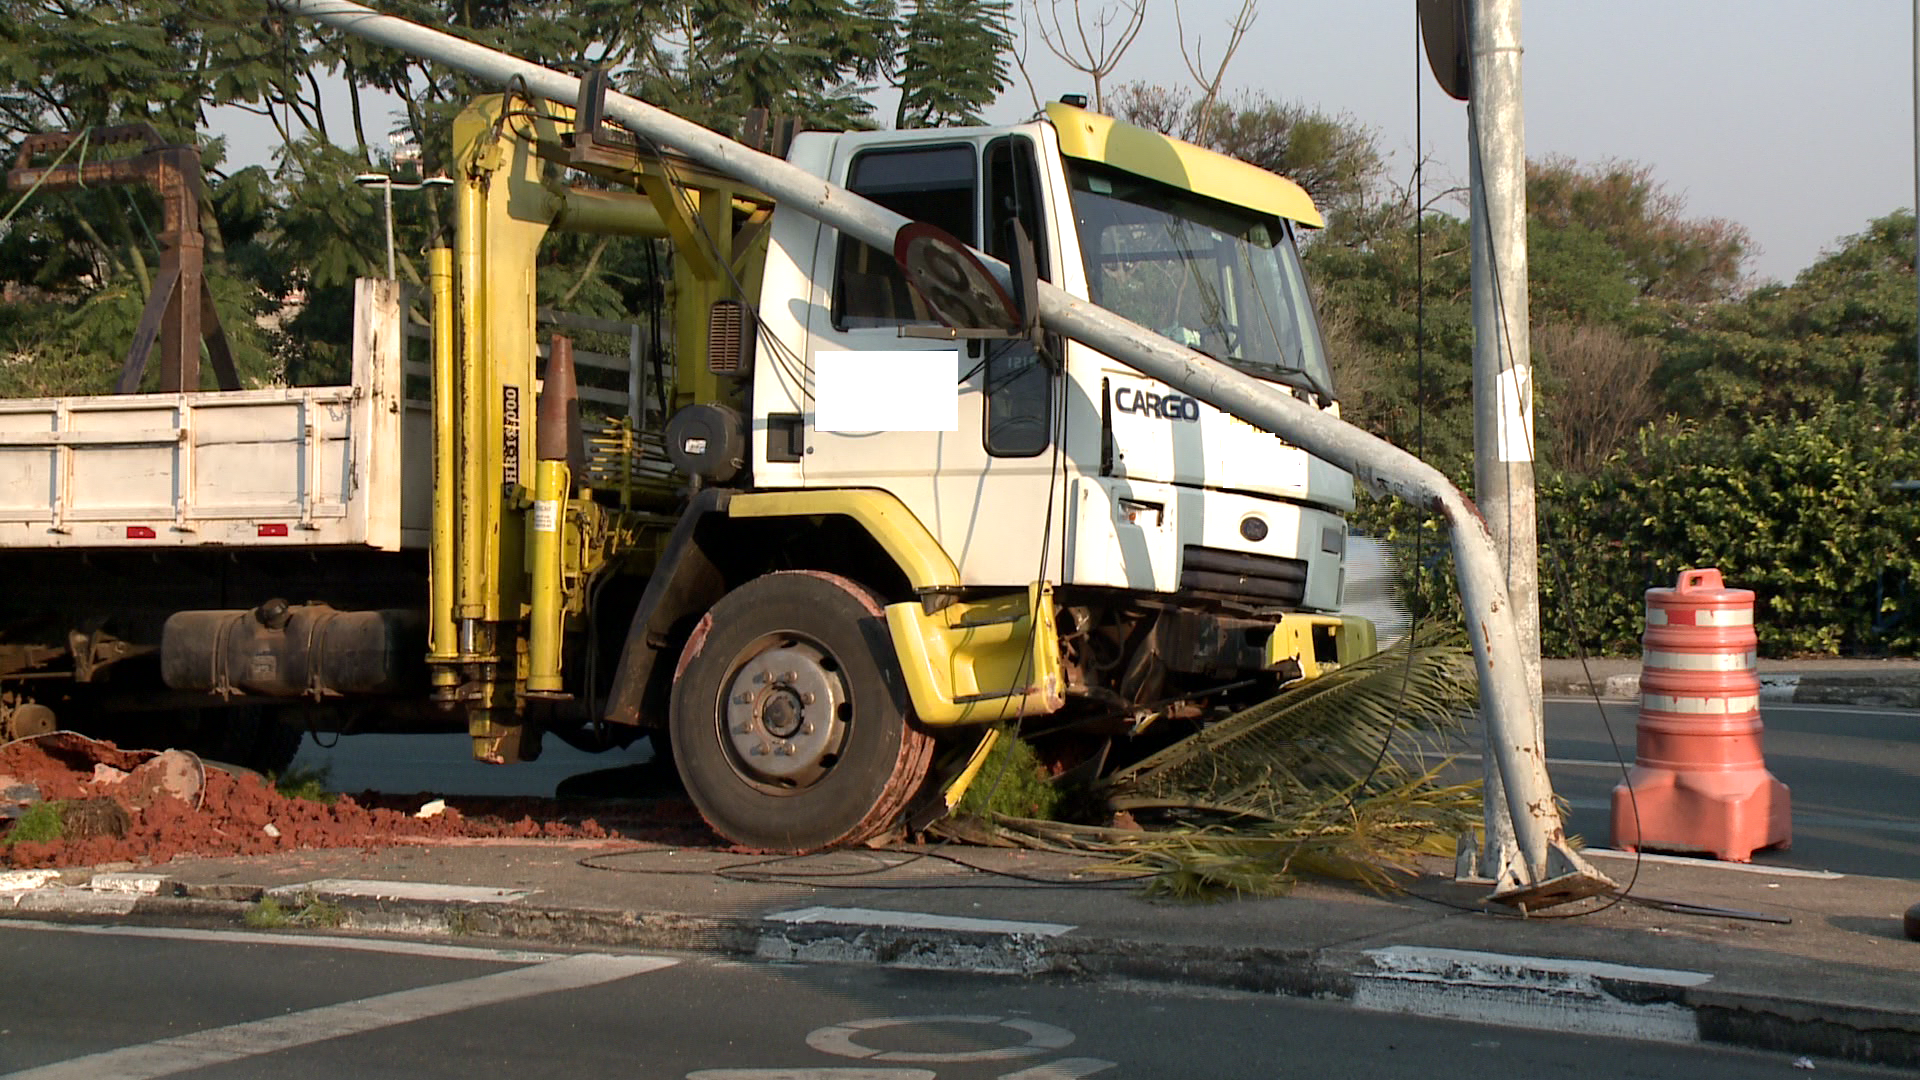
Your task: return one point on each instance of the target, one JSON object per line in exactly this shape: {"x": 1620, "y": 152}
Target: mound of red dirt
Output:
{"x": 228, "y": 814}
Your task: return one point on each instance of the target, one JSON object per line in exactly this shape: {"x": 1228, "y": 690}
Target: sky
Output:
{"x": 1794, "y": 118}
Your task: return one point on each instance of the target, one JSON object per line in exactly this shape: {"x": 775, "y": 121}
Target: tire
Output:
{"x": 789, "y": 721}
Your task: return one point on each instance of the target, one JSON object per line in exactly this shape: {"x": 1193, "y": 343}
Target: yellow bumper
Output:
{"x": 1320, "y": 643}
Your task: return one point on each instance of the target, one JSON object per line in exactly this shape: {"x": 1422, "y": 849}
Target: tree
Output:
{"x": 954, "y": 61}
{"x": 1096, "y": 41}
{"x": 1842, "y": 333}
{"x": 1596, "y": 391}
{"x": 1669, "y": 257}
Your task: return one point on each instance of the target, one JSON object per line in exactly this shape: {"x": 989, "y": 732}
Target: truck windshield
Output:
{"x": 1207, "y": 275}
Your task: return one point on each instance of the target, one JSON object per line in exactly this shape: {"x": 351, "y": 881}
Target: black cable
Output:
{"x": 1420, "y": 408}
{"x": 747, "y": 872}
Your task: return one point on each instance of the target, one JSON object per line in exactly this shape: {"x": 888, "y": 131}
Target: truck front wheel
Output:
{"x": 789, "y": 719}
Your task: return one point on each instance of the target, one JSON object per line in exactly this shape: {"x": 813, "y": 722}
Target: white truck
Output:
{"x": 854, "y": 545}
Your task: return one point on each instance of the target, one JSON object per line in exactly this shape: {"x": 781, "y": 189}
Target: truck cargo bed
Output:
{"x": 289, "y": 467}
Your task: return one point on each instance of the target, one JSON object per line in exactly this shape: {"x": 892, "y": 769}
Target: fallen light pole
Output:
{"x": 1543, "y": 870}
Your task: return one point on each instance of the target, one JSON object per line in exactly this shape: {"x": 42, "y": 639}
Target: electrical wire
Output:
{"x": 751, "y": 872}
{"x": 1420, "y": 410}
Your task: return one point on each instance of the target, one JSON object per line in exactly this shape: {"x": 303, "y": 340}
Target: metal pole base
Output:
{"x": 1569, "y": 878}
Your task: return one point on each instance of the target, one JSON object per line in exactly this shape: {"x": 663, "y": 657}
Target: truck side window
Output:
{"x": 1019, "y": 388}
{"x": 933, "y": 184}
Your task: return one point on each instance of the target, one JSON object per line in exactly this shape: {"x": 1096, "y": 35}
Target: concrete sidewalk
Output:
{"x": 1893, "y": 683}
{"x": 1832, "y": 977}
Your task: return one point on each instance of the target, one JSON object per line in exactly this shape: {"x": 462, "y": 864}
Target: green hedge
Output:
{"x": 1803, "y": 513}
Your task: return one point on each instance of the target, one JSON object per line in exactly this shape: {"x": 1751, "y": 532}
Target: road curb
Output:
{"x": 1543, "y": 993}
{"x": 1900, "y": 691}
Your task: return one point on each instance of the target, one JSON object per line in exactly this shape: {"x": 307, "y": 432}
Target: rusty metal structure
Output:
{"x": 180, "y": 310}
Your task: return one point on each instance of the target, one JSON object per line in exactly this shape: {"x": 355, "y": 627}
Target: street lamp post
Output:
{"x": 387, "y": 186}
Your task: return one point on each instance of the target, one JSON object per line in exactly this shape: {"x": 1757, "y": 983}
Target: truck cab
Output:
{"x": 1157, "y": 521}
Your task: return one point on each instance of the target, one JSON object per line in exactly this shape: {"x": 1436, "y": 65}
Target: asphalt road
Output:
{"x": 1854, "y": 777}
{"x": 132, "y": 1003}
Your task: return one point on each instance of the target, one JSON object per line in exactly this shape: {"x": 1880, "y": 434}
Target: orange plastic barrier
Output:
{"x": 1699, "y": 782}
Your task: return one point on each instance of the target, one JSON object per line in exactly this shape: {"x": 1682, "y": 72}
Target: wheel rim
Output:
{"x": 784, "y": 712}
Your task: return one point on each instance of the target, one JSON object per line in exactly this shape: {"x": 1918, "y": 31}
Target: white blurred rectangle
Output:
{"x": 894, "y": 390}
{"x": 1372, "y": 588}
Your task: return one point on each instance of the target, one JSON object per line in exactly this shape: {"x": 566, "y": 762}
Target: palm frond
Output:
{"x": 1333, "y": 734}
{"x": 1374, "y": 841}
{"x": 1322, "y": 779}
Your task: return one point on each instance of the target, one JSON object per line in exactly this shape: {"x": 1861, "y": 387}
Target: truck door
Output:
{"x": 963, "y": 432}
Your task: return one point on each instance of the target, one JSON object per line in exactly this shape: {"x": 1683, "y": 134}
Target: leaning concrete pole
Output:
{"x": 1502, "y": 367}
{"x": 1548, "y": 871}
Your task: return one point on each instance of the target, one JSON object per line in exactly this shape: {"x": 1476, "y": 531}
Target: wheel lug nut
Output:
{"x": 807, "y": 698}
{"x": 743, "y": 698}
{"x": 786, "y": 749}
{"x": 791, "y": 677}
{"x": 806, "y": 729}
{"x": 760, "y": 750}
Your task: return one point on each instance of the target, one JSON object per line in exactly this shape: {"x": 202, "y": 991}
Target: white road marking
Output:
{"x": 304, "y": 941}
{"x": 839, "y": 1039}
{"x": 1064, "y": 1069}
{"x": 22, "y": 880}
{"x": 1571, "y": 763}
{"x": 237, "y": 1042}
{"x": 916, "y": 920}
{"x": 813, "y": 1074}
{"x": 1571, "y": 996}
{"x": 404, "y": 890}
{"x": 1713, "y": 864}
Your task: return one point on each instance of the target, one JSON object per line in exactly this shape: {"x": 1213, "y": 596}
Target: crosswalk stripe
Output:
{"x": 235, "y": 1042}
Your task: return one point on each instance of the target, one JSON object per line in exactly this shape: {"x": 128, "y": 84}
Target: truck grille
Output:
{"x": 1259, "y": 580}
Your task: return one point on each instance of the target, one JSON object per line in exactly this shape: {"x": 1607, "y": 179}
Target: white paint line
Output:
{"x": 1610, "y": 700}
{"x": 66, "y": 900}
{"x": 237, "y": 1042}
{"x": 916, "y": 920}
{"x": 813, "y": 1074}
{"x": 1537, "y": 992}
{"x": 1064, "y": 1069}
{"x": 1713, "y": 864}
{"x": 1500, "y": 967}
{"x": 839, "y": 1039}
{"x": 1622, "y": 686}
{"x": 1571, "y": 763}
{"x": 304, "y": 941}
{"x": 142, "y": 884}
{"x": 22, "y": 880}
{"x": 404, "y": 890}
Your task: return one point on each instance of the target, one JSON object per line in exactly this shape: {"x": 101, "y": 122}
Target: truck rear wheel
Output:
{"x": 790, "y": 722}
